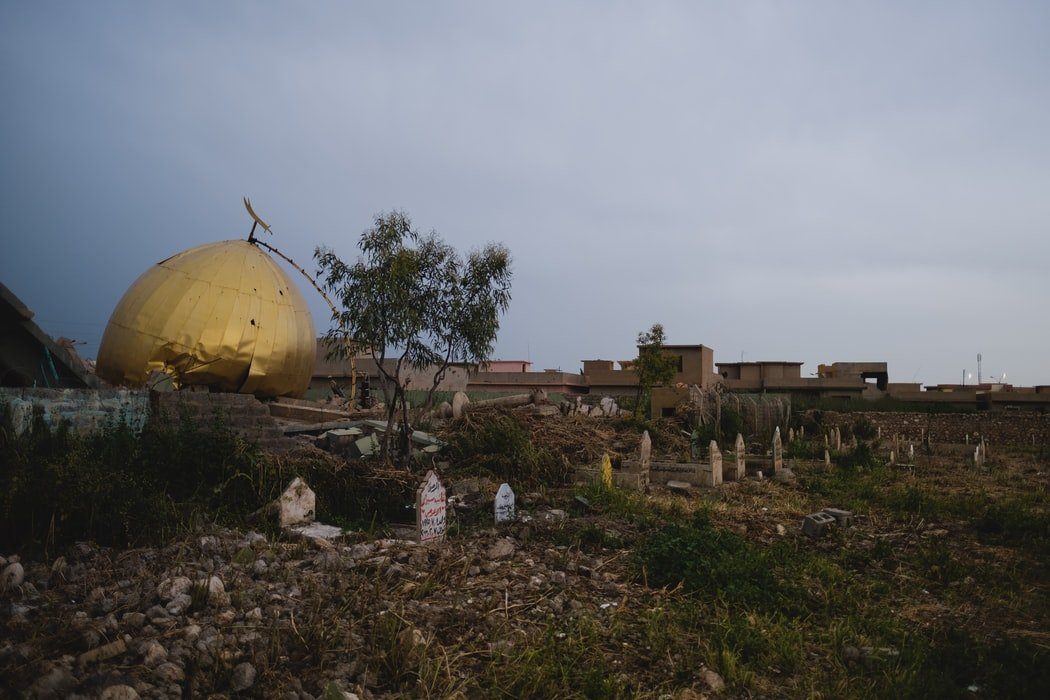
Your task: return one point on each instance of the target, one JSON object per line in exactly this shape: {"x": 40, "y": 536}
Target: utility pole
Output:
{"x": 979, "y": 368}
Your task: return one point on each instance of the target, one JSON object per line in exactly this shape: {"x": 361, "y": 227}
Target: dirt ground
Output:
{"x": 938, "y": 589}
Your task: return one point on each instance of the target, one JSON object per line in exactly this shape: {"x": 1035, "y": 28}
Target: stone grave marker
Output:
{"x": 802, "y": 432}
{"x": 431, "y": 509}
{"x": 645, "y": 457}
{"x": 778, "y": 451}
{"x": 911, "y": 452}
{"x": 838, "y": 439}
{"x": 791, "y": 434}
{"x": 505, "y": 509}
{"x": 606, "y": 471}
{"x": 737, "y": 469}
{"x": 711, "y": 473}
{"x": 827, "y": 458}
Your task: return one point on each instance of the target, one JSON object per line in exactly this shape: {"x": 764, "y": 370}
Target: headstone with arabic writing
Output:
{"x": 431, "y": 509}
{"x": 505, "y": 508}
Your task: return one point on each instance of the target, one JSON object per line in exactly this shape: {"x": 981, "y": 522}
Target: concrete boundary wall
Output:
{"x": 89, "y": 410}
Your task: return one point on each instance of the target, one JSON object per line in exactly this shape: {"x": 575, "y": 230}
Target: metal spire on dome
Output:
{"x": 257, "y": 221}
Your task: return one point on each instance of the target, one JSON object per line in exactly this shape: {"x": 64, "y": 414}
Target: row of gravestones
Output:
{"x": 711, "y": 472}
{"x": 432, "y": 508}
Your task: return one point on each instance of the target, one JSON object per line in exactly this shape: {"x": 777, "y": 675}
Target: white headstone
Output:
{"x": 738, "y": 469}
{"x": 791, "y": 434}
{"x": 431, "y": 509}
{"x": 827, "y": 458}
{"x": 460, "y": 401}
{"x": 778, "y": 451}
{"x": 645, "y": 457}
{"x": 712, "y": 471}
{"x": 504, "y": 508}
{"x": 296, "y": 505}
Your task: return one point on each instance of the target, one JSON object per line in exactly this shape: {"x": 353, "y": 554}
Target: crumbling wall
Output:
{"x": 1001, "y": 428}
{"x": 88, "y": 410}
{"x": 85, "y": 410}
{"x": 242, "y": 413}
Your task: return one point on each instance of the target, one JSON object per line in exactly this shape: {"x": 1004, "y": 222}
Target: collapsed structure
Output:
{"x": 222, "y": 315}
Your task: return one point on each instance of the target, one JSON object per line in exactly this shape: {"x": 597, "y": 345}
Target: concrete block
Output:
{"x": 816, "y": 524}
{"x": 844, "y": 518}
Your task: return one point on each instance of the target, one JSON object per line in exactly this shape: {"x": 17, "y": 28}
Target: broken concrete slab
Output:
{"x": 318, "y": 534}
{"x": 680, "y": 486}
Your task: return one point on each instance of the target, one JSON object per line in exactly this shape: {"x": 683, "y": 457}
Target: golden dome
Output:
{"x": 222, "y": 315}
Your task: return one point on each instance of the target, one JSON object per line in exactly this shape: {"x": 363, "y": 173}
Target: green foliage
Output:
{"x": 568, "y": 664}
{"x": 862, "y": 456}
{"x": 653, "y": 366}
{"x": 121, "y": 489}
{"x": 414, "y": 296}
{"x": 117, "y": 487}
{"x": 864, "y": 429}
{"x": 705, "y": 559}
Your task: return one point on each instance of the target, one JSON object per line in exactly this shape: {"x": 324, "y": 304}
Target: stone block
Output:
{"x": 816, "y": 524}
{"x": 844, "y": 518}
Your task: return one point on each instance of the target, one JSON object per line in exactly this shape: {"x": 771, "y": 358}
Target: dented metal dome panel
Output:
{"x": 224, "y": 315}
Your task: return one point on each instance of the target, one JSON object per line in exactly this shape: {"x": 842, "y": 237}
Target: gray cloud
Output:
{"x": 818, "y": 181}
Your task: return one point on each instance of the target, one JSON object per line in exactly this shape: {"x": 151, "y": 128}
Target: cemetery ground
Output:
{"x": 938, "y": 589}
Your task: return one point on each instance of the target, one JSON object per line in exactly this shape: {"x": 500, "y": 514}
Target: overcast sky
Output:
{"x": 810, "y": 181}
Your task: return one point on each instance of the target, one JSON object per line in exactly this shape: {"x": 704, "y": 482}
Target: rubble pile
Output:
{"x": 233, "y": 611}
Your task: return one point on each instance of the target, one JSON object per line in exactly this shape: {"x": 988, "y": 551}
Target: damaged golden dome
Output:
{"x": 224, "y": 315}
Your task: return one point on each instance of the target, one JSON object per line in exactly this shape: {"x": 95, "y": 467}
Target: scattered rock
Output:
{"x": 154, "y": 654}
{"x": 501, "y": 549}
{"x": 713, "y": 680}
{"x": 119, "y": 692}
{"x": 784, "y": 476}
{"x": 169, "y": 588}
{"x": 106, "y": 651}
{"x": 56, "y": 683}
{"x": 169, "y": 673}
{"x": 12, "y": 577}
{"x": 243, "y": 677}
{"x": 217, "y": 595}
